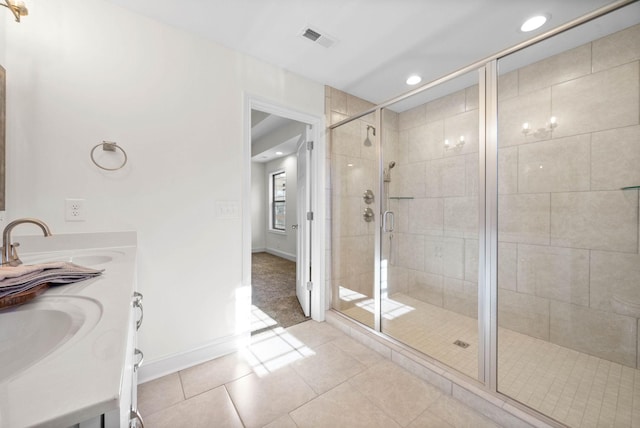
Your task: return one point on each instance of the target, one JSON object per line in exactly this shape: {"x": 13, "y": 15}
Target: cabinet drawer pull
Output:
{"x": 135, "y": 419}
{"x": 137, "y": 365}
{"x": 137, "y": 303}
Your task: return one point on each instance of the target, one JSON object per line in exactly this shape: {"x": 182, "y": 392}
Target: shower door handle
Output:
{"x": 388, "y": 221}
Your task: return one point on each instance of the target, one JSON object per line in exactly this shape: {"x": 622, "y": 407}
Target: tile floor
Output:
{"x": 577, "y": 389}
{"x": 309, "y": 375}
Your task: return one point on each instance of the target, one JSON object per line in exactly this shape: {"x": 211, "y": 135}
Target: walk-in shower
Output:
{"x": 506, "y": 244}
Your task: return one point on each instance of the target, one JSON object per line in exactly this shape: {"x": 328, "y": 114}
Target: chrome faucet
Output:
{"x": 9, "y": 252}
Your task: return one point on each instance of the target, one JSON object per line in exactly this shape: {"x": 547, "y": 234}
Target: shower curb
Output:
{"x": 455, "y": 385}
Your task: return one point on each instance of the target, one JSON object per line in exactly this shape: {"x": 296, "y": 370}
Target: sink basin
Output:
{"x": 36, "y": 330}
{"x": 91, "y": 260}
{"x": 86, "y": 259}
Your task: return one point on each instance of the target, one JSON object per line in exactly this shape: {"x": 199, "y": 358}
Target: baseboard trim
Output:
{"x": 155, "y": 369}
{"x": 258, "y": 250}
{"x": 282, "y": 254}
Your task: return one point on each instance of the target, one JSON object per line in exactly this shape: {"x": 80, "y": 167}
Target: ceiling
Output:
{"x": 378, "y": 43}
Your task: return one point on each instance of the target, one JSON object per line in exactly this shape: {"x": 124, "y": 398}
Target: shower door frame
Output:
{"x": 487, "y": 200}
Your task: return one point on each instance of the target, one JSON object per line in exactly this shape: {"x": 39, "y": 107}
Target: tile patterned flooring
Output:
{"x": 576, "y": 389}
{"x": 308, "y": 375}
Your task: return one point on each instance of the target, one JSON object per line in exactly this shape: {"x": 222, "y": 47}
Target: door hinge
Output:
{"x": 309, "y": 145}
{"x": 310, "y": 215}
{"x": 309, "y": 285}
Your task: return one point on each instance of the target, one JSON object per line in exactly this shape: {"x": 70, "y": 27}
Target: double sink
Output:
{"x": 62, "y": 355}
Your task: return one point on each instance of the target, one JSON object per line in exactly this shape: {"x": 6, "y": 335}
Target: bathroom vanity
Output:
{"x": 68, "y": 358}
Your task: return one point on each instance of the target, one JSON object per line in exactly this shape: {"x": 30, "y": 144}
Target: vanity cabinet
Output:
{"x": 127, "y": 415}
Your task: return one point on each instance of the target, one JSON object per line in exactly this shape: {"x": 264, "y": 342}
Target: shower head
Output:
{"x": 387, "y": 172}
{"x": 367, "y": 141}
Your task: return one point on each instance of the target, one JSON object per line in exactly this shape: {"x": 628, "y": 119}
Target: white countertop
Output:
{"x": 82, "y": 378}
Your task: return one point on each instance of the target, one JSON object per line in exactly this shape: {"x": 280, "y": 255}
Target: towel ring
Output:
{"x": 108, "y": 146}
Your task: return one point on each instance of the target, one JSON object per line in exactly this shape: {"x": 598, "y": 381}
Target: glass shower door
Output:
{"x": 354, "y": 178}
{"x": 430, "y": 208}
{"x": 568, "y": 259}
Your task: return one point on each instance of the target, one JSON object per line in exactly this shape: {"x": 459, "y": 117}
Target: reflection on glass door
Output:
{"x": 568, "y": 260}
{"x": 429, "y": 243}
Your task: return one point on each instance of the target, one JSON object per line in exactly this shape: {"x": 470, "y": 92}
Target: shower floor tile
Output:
{"x": 574, "y": 388}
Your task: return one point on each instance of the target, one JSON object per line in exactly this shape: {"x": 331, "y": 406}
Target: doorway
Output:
{"x": 280, "y": 232}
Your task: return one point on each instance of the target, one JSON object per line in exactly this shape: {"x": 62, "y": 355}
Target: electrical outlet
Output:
{"x": 74, "y": 210}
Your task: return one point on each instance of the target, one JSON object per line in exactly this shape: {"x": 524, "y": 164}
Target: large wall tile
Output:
{"x": 461, "y": 297}
{"x": 433, "y": 249}
{"x": 426, "y": 287}
{"x": 507, "y": 265}
{"x": 533, "y": 108}
{"x": 426, "y": 216}
{"x": 410, "y": 251}
{"x": 461, "y": 217}
{"x": 426, "y": 142}
{"x": 508, "y": 85}
{"x": 353, "y": 256}
{"x": 471, "y": 260}
{"x": 350, "y": 217}
{"x": 558, "y": 68}
{"x": 595, "y": 220}
{"x": 554, "y": 272}
{"x": 397, "y": 280}
{"x": 602, "y": 334}
{"x": 605, "y": 100}
{"x": 345, "y": 139}
{"x": 453, "y": 257}
{"x": 558, "y": 165}
{"x": 507, "y": 170}
{"x": 523, "y": 313}
{"x": 472, "y": 94}
{"x": 618, "y": 48}
{"x": 338, "y": 101}
{"x": 446, "y": 106}
{"x": 461, "y": 125}
{"x": 410, "y": 179}
{"x": 615, "y": 156}
{"x": 357, "y": 105}
{"x": 615, "y": 282}
{"x": 390, "y": 120}
{"x": 524, "y": 218}
{"x": 402, "y": 151}
{"x": 472, "y": 174}
{"x": 413, "y": 117}
{"x": 446, "y": 177}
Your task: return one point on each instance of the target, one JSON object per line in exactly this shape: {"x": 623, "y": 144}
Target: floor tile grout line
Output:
{"x": 235, "y": 408}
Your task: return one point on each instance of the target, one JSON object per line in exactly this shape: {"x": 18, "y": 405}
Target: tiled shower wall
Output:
{"x": 352, "y": 171}
{"x": 568, "y": 252}
{"x": 569, "y": 268}
{"x": 433, "y": 192}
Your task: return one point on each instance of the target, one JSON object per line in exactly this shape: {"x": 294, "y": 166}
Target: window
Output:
{"x": 278, "y": 200}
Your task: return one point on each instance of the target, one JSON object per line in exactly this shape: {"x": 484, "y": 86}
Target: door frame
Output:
{"x": 317, "y": 188}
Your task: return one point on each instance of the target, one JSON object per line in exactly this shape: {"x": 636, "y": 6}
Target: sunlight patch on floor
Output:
{"x": 275, "y": 349}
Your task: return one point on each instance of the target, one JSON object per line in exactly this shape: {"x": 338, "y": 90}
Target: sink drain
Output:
{"x": 461, "y": 344}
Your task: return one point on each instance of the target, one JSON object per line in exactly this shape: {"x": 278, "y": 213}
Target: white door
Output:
{"x": 303, "y": 262}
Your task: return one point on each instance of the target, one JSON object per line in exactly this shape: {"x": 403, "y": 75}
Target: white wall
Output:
{"x": 92, "y": 71}
{"x": 284, "y": 243}
{"x": 259, "y": 211}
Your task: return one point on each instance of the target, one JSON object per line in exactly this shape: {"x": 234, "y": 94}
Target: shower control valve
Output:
{"x": 368, "y": 197}
{"x": 368, "y": 215}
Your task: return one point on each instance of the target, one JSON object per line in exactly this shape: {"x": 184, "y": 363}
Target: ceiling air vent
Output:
{"x": 318, "y": 37}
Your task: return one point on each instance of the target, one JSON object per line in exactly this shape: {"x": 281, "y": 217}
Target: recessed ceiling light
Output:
{"x": 414, "y": 79}
{"x": 278, "y": 153}
{"x": 534, "y": 23}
